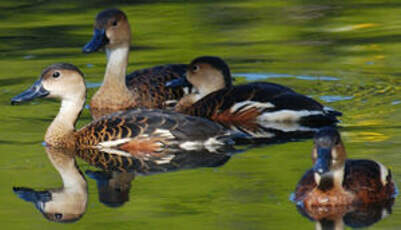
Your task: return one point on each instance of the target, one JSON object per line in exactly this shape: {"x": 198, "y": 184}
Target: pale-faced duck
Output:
{"x": 67, "y": 203}
{"x": 335, "y": 180}
{"x": 143, "y": 88}
{"x": 253, "y": 105}
{"x": 137, "y": 131}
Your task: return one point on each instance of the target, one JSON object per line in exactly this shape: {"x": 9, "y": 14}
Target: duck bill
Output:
{"x": 179, "y": 82}
{"x": 35, "y": 197}
{"x": 36, "y": 91}
{"x": 98, "y": 40}
{"x": 322, "y": 164}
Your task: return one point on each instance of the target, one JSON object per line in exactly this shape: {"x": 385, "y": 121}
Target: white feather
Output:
{"x": 250, "y": 104}
{"x": 286, "y": 115}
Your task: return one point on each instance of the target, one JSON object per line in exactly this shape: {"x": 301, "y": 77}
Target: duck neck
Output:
{"x": 60, "y": 132}
{"x": 114, "y": 84}
{"x": 117, "y": 61}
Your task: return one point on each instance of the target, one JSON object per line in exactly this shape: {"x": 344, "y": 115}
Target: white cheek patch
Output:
{"x": 286, "y": 115}
{"x": 245, "y": 105}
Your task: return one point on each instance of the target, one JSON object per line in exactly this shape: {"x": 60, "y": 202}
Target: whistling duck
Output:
{"x": 137, "y": 131}
{"x": 65, "y": 204}
{"x": 337, "y": 181}
{"x": 142, "y": 88}
{"x": 253, "y": 105}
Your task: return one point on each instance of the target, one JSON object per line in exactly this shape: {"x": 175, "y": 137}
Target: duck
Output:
{"x": 144, "y": 88}
{"x": 336, "y": 181}
{"x": 253, "y": 106}
{"x": 67, "y": 203}
{"x": 139, "y": 132}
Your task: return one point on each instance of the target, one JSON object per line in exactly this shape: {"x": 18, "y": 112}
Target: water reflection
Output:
{"x": 354, "y": 216}
{"x": 64, "y": 204}
{"x": 273, "y": 132}
{"x": 113, "y": 187}
{"x": 68, "y": 203}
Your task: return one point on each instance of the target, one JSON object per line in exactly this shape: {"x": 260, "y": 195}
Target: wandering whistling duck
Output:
{"x": 143, "y": 88}
{"x": 337, "y": 181}
{"x": 256, "y": 104}
{"x": 138, "y": 131}
{"x": 65, "y": 204}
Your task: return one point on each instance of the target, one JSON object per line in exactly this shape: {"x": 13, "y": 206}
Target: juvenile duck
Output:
{"x": 248, "y": 105}
{"x": 139, "y": 131}
{"x": 143, "y": 88}
{"x": 335, "y": 180}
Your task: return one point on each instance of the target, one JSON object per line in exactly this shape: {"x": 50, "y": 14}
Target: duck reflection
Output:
{"x": 273, "y": 132}
{"x": 354, "y": 216}
{"x": 148, "y": 163}
{"x": 113, "y": 187}
{"x": 114, "y": 182}
{"x": 65, "y": 204}
{"x": 68, "y": 203}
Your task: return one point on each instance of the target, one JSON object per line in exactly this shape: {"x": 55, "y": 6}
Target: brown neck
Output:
{"x": 61, "y": 131}
{"x": 114, "y": 91}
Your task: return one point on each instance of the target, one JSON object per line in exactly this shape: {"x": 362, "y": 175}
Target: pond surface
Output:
{"x": 345, "y": 54}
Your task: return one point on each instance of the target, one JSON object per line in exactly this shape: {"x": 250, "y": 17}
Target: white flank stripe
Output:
{"x": 164, "y": 133}
{"x": 115, "y": 151}
{"x": 287, "y": 127}
{"x": 250, "y": 104}
{"x": 165, "y": 160}
{"x": 286, "y": 115}
{"x": 191, "y": 145}
{"x": 114, "y": 143}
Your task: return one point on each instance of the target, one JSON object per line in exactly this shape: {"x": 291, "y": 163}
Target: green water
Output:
{"x": 347, "y": 50}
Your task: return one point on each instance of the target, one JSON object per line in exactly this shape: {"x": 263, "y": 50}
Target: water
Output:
{"x": 345, "y": 54}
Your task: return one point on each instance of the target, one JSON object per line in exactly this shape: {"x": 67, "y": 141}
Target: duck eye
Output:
{"x": 195, "y": 68}
{"x": 58, "y": 216}
{"x": 56, "y": 74}
{"x": 114, "y": 23}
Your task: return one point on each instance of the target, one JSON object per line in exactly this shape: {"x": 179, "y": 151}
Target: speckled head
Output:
{"x": 111, "y": 30}
{"x": 328, "y": 152}
{"x": 61, "y": 80}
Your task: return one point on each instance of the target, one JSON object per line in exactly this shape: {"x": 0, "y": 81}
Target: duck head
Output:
{"x": 328, "y": 157}
{"x": 111, "y": 30}
{"x": 65, "y": 204}
{"x": 207, "y": 74}
{"x": 63, "y": 81}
